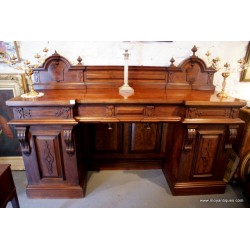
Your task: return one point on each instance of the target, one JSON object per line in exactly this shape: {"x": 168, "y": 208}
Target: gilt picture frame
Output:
{"x": 11, "y": 85}
{"x": 245, "y": 74}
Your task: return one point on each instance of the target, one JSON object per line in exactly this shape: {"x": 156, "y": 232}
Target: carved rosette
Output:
{"x": 171, "y": 77}
{"x": 63, "y": 112}
{"x": 22, "y": 135}
{"x": 194, "y": 113}
{"x": 68, "y": 138}
{"x": 150, "y": 111}
{"x": 191, "y": 134}
{"x": 110, "y": 111}
{"x": 22, "y": 113}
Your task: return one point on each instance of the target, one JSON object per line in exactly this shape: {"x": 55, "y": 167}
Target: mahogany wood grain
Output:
{"x": 174, "y": 121}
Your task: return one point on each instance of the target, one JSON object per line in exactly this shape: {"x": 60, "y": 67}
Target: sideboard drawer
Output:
{"x": 212, "y": 113}
{"x": 147, "y": 113}
{"x": 46, "y": 112}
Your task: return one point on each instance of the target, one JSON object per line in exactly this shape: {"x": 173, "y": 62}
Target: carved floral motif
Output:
{"x": 150, "y": 111}
{"x": 22, "y": 113}
{"x": 63, "y": 112}
{"x": 110, "y": 110}
{"x": 194, "y": 113}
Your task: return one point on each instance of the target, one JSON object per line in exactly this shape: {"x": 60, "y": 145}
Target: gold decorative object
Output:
{"x": 226, "y": 71}
{"x": 225, "y": 74}
{"x": 28, "y": 69}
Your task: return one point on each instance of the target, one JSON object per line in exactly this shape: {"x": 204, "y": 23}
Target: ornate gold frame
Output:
{"x": 245, "y": 74}
{"x": 19, "y": 86}
{"x": 244, "y": 168}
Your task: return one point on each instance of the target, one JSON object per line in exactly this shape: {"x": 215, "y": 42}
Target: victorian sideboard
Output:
{"x": 174, "y": 122}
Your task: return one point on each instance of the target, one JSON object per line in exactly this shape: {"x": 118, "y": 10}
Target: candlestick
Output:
{"x": 125, "y": 90}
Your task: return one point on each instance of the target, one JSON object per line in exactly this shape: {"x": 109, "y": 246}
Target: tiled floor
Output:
{"x": 130, "y": 189}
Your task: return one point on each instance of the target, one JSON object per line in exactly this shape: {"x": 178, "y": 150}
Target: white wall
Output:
{"x": 146, "y": 54}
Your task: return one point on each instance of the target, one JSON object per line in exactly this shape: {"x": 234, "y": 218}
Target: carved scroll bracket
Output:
{"x": 22, "y": 135}
{"x": 190, "y": 137}
{"x": 231, "y": 136}
{"x": 68, "y": 138}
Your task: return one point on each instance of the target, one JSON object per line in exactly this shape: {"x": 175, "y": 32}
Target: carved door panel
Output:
{"x": 145, "y": 137}
{"x": 203, "y": 153}
{"x": 206, "y": 153}
{"x": 51, "y": 158}
{"x": 48, "y": 150}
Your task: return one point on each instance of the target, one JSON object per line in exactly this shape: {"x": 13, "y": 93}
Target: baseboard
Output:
{"x": 194, "y": 187}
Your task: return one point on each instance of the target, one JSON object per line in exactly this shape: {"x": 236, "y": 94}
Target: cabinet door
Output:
{"x": 206, "y": 153}
{"x": 203, "y": 154}
{"x": 51, "y": 159}
{"x": 145, "y": 137}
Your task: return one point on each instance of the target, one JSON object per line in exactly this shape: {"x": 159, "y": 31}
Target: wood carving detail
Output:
{"x": 194, "y": 113}
{"x": 110, "y": 110}
{"x": 36, "y": 77}
{"x": 150, "y": 111}
{"x": 22, "y": 135}
{"x": 205, "y": 154}
{"x": 49, "y": 159}
{"x": 22, "y": 113}
{"x": 191, "y": 134}
{"x": 63, "y": 112}
{"x": 231, "y": 137}
{"x": 56, "y": 70}
{"x": 67, "y": 134}
{"x": 234, "y": 113}
{"x": 192, "y": 73}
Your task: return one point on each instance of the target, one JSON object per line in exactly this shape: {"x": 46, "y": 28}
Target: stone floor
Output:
{"x": 131, "y": 189}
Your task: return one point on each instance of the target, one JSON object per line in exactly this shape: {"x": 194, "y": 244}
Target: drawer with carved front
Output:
{"x": 212, "y": 113}
{"x": 44, "y": 112}
{"x": 120, "y": 112}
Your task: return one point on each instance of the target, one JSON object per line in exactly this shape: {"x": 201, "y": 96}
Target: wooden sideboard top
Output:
{"x": 106, "y": 96}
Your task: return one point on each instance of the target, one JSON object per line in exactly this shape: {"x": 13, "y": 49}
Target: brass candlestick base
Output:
{"x": 32, "y": 93}
{"x": 222, "y": 94}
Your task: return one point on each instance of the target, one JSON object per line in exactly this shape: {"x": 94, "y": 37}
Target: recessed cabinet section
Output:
{"x": 145, "y": 137}
{"x": 125, "y": 141}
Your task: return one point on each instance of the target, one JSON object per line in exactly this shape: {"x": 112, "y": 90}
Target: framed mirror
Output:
{"x": 245, "y": 74}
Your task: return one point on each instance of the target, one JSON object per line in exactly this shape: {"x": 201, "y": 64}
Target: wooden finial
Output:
{"x": 79, "y": 59}
{"x": 172, "y": 62}
{"x": 55, "y": 53}
{"x": 194, "y": 50}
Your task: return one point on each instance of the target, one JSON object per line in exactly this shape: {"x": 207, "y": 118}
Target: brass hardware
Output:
{"x": 148, "y": 126}
{"x": 110, "y": 126}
